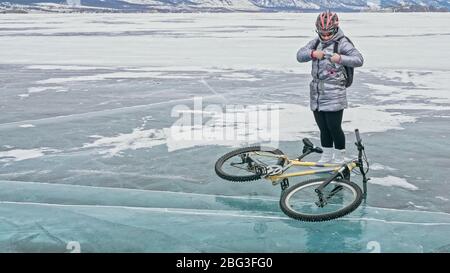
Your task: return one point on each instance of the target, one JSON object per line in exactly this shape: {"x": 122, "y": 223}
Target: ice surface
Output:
{"x": 212, "y": 40}
{"x": 109, "y": 220}
{"x": 90, "y": 152}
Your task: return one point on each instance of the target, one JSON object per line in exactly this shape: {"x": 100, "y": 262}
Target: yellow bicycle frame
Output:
{"x": 327, "y": 168}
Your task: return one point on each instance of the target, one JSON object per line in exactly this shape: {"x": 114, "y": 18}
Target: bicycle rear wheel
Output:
{"x": 244, "y": 164}
{"x": 301, "y": 201}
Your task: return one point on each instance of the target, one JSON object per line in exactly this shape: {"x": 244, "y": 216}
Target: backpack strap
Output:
{"x": 348, "y": 70}
{"x": 336, "y": 44}
{"x": 316, "y": 44}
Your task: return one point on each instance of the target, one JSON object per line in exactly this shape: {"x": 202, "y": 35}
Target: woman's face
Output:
{"x": 326, "y": 36}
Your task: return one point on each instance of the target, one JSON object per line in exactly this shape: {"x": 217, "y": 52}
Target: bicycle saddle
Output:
{"x": 310, "y": 146}
{"x": 308, "y": 143}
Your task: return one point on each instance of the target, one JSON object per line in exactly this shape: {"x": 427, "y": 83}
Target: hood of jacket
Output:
{"x": 337, "y": 36}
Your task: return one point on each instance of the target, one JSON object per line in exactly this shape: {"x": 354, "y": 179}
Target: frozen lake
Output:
{"x": 87, "y": 154}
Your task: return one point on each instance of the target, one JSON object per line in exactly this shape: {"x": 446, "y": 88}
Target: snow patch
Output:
{"x": 116, "y": 75}
{"x": 65, "y": 67}
{"x": 22, "y": 154}
{"x": 392, "y": 181}
{"x": 379, "y": 167}
{"x": 45, "y": 88}
{"x": 137, "y": 139}
{"x": 26, "y": 126}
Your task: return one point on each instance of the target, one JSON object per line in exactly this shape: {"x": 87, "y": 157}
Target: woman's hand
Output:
{"x": 318, "y": 54}
{"x": 336, "y": 58}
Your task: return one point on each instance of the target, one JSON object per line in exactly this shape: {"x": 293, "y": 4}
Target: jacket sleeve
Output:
{"x": 304, "y": 53}
{"x": 350, "y": 56}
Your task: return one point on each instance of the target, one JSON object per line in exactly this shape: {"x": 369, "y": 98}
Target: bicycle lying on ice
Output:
{"x": 318, "y": 199}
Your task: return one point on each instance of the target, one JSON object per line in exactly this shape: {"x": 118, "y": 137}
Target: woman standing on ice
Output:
{"x": 331, "y": 52}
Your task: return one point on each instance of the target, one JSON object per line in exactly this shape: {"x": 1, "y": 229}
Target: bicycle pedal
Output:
{"x": 284, "y": 184}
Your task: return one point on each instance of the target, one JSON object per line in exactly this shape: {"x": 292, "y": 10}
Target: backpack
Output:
{"x": 348, "y": 70}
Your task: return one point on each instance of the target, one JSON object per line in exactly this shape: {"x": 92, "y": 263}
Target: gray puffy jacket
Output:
{"x": 327, "y": 89}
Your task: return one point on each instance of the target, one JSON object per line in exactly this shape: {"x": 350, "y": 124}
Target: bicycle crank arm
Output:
{"x": 322, "y": 201}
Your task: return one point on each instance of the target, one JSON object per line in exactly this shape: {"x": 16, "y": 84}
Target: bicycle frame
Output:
{"x": 333, "y": 168}
{"x": 327, "y": 168}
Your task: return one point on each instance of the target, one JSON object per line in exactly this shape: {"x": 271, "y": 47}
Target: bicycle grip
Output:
{"x": 358, "y": 138}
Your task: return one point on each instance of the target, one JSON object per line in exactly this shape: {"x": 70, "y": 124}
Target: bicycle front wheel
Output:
{"x": 301, "y": 202}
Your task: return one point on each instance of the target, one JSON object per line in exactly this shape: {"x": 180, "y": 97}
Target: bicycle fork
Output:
{"x": 365, "y": 180}
{"x": 342, "y": 172}
{"x": 324, "y": 200}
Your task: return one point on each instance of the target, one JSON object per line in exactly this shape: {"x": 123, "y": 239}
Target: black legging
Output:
{"x": 330, "y": 129}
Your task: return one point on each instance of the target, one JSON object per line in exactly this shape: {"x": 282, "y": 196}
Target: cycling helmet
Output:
{"x": 327, "y": 23}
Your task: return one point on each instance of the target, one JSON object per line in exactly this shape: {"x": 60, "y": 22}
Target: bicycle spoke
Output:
{"x": 246, "y": 163}
{"x": 268, "y": 154}
{"x": 260, "y": 162}
{"x": 336, "y": 189}
{"x": 335, "y": 197}
{"x": 245, "y": 169}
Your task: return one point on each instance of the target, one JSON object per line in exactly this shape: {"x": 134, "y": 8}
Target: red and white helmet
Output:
{"x": 327, "y": 23}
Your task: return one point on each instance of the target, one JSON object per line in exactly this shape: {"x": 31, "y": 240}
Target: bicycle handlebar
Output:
{"x": 358, "y": 138}
{"x": 359, "y": 145}
{"x": 360, "y": 155}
